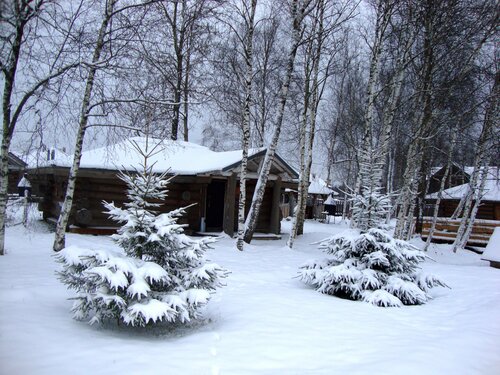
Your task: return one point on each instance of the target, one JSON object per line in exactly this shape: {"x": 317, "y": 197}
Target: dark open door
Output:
{"x": 215, "y": 205}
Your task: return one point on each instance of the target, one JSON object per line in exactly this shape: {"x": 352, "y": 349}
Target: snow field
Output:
{"x": 264, "y": 321}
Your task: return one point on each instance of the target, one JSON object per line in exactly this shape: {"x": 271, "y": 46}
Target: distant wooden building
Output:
{"x": 490, "y": 202}
{"x": 206, "y": 178}
{"x": 488, "y": 215}
{"x": 318, "y": 192}
{"x": 456, "y": 176}
{"x": 17, "y": 168}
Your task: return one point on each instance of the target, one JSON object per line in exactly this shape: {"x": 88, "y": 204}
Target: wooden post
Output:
{"x": 274, "y": 226}
{"x": 229, "y": 200}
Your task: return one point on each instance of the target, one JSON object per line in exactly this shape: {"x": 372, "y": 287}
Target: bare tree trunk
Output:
{"x": 299, "y": 213}
{"x": 253, "y": 214}
{"x": 178, "y": 43}
{"x": 424, "y": 122}
{"x": 62, "y": 222}
{"x": 314, "y": 104}
{"x": 185, "y": 105}
{"x": 460, "y": 207}
{"x": 464, "y": 234}
{"x": 248, "y": 53}
{"x": 486, "y": 140}
{"x": 435, "y": 213}
{"x": 23, "y": 12}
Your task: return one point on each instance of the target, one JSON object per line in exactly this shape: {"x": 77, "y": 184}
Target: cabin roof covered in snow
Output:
{"x": 318, "y": 186}
{"x": 493, "y": 171}
{"x": 183, "y": 158}
{"x": 15, "y": 163}
{"x": 491, "y": 191}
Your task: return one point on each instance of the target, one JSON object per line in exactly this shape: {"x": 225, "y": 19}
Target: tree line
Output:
{"x": 372, "y": 94}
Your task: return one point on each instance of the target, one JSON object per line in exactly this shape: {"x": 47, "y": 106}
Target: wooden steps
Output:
{"x": 447, "y": 228}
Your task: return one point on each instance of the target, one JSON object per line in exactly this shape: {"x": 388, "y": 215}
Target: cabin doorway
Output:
{"x": 215, "y": 205}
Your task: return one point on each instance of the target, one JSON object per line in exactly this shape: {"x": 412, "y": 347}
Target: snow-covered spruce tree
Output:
{"x": 366, "y": 263}
{"x": 161, "y": 275}
{"x": 369, "y": 206}
{"x": 373, "y": 267}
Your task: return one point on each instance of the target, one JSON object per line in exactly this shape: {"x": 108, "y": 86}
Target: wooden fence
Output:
{"x": 447, "y": 228}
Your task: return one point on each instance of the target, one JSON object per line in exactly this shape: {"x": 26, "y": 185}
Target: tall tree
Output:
{"x": 248, "y": 16}
{"x": 103, "y": 56}
{"x": 19, "y": 27}
{"x": 489, "y": 135}
{"x": 299, "y": 9}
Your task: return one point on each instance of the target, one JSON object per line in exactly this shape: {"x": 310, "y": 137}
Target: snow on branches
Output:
{"x": 370, "y": 266}
{"x": 161, "y": 274}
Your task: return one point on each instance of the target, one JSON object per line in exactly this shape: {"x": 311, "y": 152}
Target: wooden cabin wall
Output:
{"x": 14, "y": 176}
{"x": 488, "y": 210}
{"x": 93, "y": 189}
{"x": 264, "y": 219}
{"x": 90, "y": 194}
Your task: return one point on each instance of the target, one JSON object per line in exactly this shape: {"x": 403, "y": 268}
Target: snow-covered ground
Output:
{"x": 264, "y": 321}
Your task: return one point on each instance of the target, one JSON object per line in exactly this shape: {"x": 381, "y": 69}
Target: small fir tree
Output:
{"x": 370, "y": 266}
{"x": 162, "y": 275}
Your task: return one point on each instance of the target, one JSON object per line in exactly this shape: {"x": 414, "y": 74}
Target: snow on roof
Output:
{"x": 493, "y": 172}
{"x": 48, "y": 157}
{"x": 177, "y": 156}
{"x": 491, "y": 191}
{"x": 492, "y": 251}
{"x": 318, "y": 186}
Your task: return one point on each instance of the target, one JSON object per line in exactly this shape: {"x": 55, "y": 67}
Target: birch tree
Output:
{"x": 447, "y": 55}
{"x": 97, "y": 64}
{"x": 249, "y": 16}
{"x": 489, "y": 135}
{"x": 299, "y": 9}
{"x": 20, "y": 26}
{"x": 314, "y": 85}
{"x": 446, "y": 173}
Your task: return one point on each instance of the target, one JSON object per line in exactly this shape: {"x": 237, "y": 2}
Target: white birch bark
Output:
{"x": 62, "y": 223}
{"x": 464, "y": 234}
{"x": 24, "y": 12}
{"x": 442, "y": 185}
{"x": 303, "y": 177}
{"x": 423, "y": 124}
{"x": 487, "y": 138}
{"x": 460, "y": 207}
{"x": 313, "y": 106}
{"x": 246, "y": 123}
{"x": 251, "y": 220}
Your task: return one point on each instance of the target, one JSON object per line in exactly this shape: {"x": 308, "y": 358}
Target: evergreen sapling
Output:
{"x": 161, "y": 274}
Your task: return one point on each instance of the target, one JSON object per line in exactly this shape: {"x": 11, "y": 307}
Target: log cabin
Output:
{"x": 487, "y": 217}
{"x": 205, "y": 178}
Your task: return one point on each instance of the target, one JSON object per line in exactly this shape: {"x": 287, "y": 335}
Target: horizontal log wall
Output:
{"x": 94, "y": 188}
{"x": 446, "y": 230}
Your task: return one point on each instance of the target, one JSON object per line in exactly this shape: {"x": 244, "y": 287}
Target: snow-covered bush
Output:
{"x": 370, "y": 266}
{"x": 162, "y": 274}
